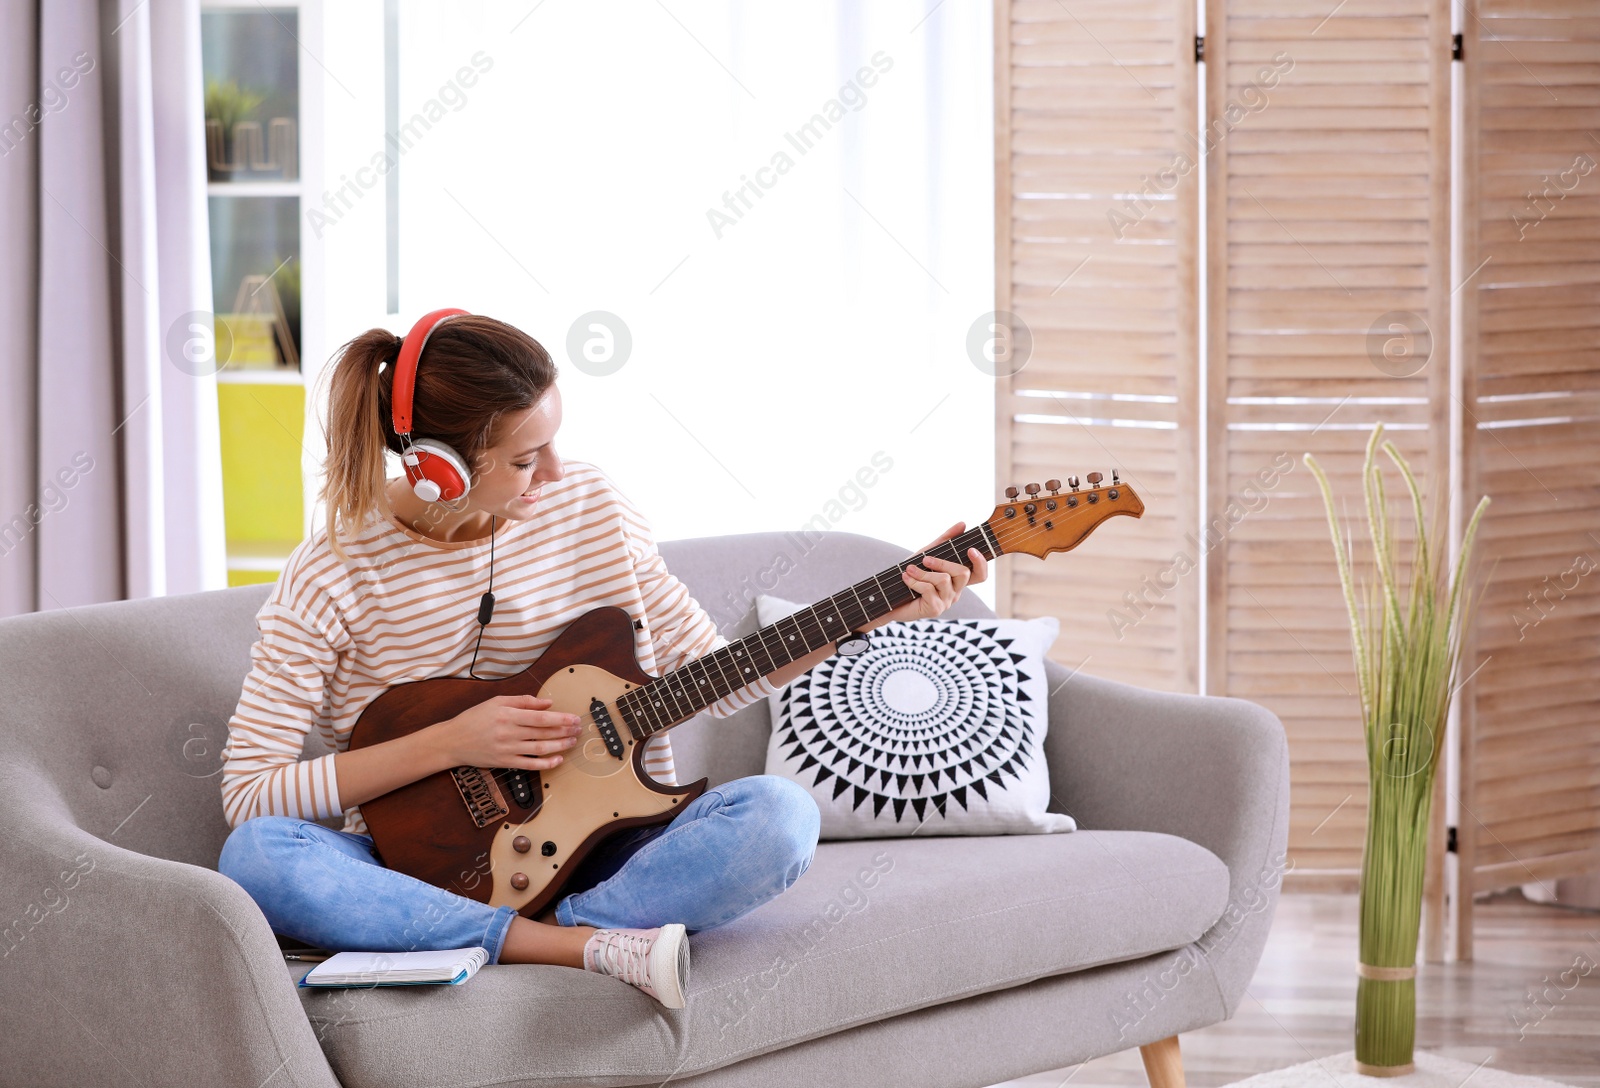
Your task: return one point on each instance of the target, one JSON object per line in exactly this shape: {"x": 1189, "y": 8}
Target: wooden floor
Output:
{"x": 1301, "y": 1003}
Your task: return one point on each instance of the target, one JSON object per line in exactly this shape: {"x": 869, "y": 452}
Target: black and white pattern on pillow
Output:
{"x": 938, "y": 729}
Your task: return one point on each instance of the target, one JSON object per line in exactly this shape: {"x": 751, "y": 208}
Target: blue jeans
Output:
{"x": 725, "y": 853}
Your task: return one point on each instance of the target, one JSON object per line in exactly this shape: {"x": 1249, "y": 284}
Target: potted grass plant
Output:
{"x": 1406, "y": 633}
{"x": 226, "y": 106}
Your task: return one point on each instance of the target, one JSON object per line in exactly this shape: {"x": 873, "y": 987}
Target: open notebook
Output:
{"x": 450, "y": 966}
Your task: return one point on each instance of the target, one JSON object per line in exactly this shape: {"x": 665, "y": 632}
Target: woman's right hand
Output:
{"x": 518, "y": 731}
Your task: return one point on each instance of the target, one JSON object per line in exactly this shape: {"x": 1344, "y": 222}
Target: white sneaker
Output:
{"x": 654, "y": 960}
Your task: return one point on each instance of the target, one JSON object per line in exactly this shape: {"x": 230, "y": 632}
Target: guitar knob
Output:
{"x": 1053, "y": 485}
{"x": 548, "y": 849}
{"x": 1011, "y": 493}
{"x": 1094, "y": 479}
{"x": 521, "y": 844}
{"x": 1032, "y": 490}
{"x": 519, "y": 881}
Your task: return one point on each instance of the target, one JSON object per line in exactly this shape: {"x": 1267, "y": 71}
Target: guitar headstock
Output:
{"x": 1039, "y": 524}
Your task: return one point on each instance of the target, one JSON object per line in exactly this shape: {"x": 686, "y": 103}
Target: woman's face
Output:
{"x": 509, "y": 475}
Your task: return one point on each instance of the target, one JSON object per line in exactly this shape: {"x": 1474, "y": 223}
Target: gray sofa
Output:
{"x": 939, "y": 962}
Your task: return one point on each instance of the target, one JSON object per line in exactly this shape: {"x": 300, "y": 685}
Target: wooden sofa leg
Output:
{"x": 1163, "y": 1065}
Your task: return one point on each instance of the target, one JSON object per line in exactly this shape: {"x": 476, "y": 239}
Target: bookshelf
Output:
{"x": 261, "y": 125}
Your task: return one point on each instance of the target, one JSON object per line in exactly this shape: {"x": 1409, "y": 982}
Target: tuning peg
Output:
{"x": 1032, "y": 490}
{"x": 1094, "y": 479}
{"x": 1073, "y": 480}
{"x": 1114, "y": 479}
{"x": 1053, "y": 485}
{"x": 1011, "y": 493}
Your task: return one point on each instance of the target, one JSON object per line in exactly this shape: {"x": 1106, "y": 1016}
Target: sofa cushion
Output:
{"x": 874, "y": 928}
{"x": 725, "y": 574}
{"x": 938, "y": 728}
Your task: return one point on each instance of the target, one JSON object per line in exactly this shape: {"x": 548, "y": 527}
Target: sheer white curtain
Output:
{"x": 789, "y": 207}
{"x": 110, "y": 479}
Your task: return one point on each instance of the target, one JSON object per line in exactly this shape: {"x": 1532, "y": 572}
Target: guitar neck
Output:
{"x": 681, "y": 694}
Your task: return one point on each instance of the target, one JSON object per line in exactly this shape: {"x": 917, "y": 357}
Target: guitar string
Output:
{"x": 500, "y": 774}
{"x": 814, "y": 626}
{"x": 809, "y": 626}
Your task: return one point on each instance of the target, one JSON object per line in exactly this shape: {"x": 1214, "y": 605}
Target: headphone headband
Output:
{"x": 405, "y": 368}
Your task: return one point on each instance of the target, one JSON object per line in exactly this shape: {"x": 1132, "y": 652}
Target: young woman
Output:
{"x": 389, "y": 593}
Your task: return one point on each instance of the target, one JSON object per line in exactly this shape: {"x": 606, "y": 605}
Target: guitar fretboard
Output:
{"x": 681, "y": 694}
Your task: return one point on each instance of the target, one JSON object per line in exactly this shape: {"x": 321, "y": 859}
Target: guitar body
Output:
{"x": 487, "y": 836}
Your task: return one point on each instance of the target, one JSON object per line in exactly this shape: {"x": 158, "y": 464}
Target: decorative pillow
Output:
{"x": 937, "y": 729}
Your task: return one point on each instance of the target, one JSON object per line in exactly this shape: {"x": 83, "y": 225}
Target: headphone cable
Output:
{"x": 485, "y": 606}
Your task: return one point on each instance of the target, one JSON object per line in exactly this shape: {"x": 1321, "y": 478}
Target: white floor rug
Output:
{"x": 1339, "y": 1071}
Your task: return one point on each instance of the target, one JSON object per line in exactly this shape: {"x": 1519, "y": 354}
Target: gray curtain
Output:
{"x": 110, "y": 473}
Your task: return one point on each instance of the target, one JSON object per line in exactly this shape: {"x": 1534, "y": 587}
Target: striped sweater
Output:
{"x": 335, "y": 634}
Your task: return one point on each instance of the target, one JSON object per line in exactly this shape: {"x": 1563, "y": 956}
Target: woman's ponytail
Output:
{"x": 353, "y": 477}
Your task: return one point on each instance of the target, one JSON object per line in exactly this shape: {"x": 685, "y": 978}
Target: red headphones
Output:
{"x": 436, "y": 471}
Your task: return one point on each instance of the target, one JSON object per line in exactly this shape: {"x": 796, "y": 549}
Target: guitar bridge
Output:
{"x": 481, "y": 794}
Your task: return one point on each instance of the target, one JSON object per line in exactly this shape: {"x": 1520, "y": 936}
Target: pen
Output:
{"x": 306, "y": 957}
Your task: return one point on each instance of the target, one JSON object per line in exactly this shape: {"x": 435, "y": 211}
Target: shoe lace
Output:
{"x": 625, "y": 956}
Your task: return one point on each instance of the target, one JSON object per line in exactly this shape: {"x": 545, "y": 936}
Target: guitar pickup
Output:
{"x": 607, "y": 728}
{"x": 521, "y": 785}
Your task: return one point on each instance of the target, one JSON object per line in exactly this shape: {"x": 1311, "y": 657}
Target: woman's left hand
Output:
{"x": 937, "y": 582}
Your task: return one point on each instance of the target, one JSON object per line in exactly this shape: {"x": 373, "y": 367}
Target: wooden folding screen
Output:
{"x": 1328, "y": 224}
{"x": 1096, "y": 234}
{"x": 1329, "y": 288}
{"x": 1530, "y": 785}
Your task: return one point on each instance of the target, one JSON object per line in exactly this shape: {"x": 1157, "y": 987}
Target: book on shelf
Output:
{"x": 447, "y": 967}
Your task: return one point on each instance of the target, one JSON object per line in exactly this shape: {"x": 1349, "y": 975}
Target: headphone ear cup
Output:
{"x": 440, "y": 473}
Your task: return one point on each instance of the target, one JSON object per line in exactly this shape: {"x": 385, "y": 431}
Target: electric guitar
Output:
{"x": 512, "y": 837}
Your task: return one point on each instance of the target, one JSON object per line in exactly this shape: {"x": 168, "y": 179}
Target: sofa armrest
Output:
{"x": 1211, "y": 770}
{"x": 164, "y": 972}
